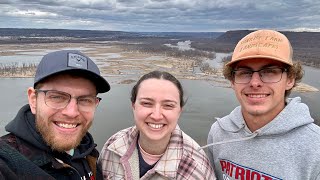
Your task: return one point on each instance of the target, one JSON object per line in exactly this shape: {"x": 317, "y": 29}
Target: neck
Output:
{"x": 255, "y": 122}
{"x": 258, "y": 119}
{"x": 149, "y": 158}
{"x": 153, "y": 147}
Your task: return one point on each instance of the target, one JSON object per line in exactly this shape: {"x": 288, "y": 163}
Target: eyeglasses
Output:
{"x": 59, "y": 100}
{"x": 267, "y": 75}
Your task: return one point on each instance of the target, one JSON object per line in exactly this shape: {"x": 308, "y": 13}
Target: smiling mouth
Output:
{"x": 257, "y": 95}
{"x": 155, "y": 126}
{"x": 66, "y": 125}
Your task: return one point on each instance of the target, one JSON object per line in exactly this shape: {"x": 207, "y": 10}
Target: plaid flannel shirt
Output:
{"x": 119, "y": 158}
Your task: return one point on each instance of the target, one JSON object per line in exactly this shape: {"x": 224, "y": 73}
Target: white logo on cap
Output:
{"x": 77, "y": 61}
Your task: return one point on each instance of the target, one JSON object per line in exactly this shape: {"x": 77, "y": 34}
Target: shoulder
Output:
{"x": 309, "y": 136}
{"x": 188, "y": 142}
{"x": 214, "y": 127}
{"x": 112, "y": 151}
{"x": 120, "y": 141}
{"x": 10, "y": 156}
{"x": 315, "y": 129}
{"x": 122, "y": 134}
{"x": 14, "y": 165}
{"x": 215, "y": 130}
{"x": 22, "y": 146}
{"x": 195, "y": 160}
{"x": 10, "y": 139}
{"x": 191, "y": 149}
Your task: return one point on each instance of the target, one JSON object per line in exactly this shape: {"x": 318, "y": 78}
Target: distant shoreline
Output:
{"x": 305, "y": 44}
{"x": 114, "y": 60}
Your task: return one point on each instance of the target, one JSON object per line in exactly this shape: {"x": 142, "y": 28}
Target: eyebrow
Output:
{"x": 265, "y": 66}
{"x": 85, "y": 95}
{"x": 166, "y": 100}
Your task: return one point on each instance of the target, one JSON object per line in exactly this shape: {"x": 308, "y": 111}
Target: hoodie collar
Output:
{"x": 294, "y": 114}
{"x": 24, "y": 127}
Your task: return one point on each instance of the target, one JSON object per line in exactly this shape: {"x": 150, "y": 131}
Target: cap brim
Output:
{"x": 101, "y": 83}
{"x": 257, "y": 57}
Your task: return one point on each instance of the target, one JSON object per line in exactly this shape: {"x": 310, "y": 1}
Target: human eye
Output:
{"x": 169, "y": 106}
{"x": 270, "y": 71}
{"x": 57, "y": 96}
{"x": 86, "y": 101}
{"x": 243, "y": 72}
{"x": 146, "y": 103}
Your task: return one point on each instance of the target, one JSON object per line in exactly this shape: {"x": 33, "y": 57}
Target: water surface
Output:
{"x": 204, "y": 102}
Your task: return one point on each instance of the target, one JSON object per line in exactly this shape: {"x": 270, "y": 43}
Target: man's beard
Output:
{"x": 57, "y": 142}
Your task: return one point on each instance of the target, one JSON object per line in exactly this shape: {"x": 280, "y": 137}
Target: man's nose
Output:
{"x": 255, "y": 79}
{"x": 72, "y": 109}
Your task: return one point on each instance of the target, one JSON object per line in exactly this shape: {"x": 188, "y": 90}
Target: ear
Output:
{"x": 290, "y": 83}
{"x": 32, "y": 98}
{"x": 133, "y": 106}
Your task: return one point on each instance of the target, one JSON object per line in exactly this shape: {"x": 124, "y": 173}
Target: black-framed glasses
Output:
{"x": 267, "y": 75}
{"x": 59, "y": 100}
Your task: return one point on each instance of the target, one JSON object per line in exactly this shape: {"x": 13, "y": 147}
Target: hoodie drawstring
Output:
{"x": 254, "y": 134}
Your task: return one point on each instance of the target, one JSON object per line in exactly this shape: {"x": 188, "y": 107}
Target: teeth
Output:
{"x": 68, "y": 126}
{"x": 155, "y": 126}
{"x": 257, "y": 95}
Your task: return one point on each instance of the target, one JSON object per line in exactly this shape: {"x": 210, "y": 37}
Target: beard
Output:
{"x": 56, "y": 141}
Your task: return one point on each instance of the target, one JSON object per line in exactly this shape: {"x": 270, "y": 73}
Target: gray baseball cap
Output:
{"x": 70, "y": 60}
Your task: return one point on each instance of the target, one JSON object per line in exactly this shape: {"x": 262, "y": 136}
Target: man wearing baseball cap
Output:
{"x": 269, "y": 136}
{"x": 51, "y": 131}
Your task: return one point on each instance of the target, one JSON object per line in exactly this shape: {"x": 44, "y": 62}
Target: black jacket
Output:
{"x": 24, "y": 138}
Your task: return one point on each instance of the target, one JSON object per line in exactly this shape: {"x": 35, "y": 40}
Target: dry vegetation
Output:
{"x": 135, "y": 56}
{"x": 14, "y": 70}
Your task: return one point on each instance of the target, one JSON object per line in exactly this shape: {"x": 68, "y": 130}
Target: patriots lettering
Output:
{"x": 235, "y": 171}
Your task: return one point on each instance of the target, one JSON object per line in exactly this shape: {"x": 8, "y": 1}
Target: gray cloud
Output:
{"x": 161, "y": 15}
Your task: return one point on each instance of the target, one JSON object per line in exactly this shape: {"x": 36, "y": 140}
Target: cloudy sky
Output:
{"x": 161, "y": 15}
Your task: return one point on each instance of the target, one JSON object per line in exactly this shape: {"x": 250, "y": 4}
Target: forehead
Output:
{"x": 258, "y": 63}
{"x": 157, "y": 85}
{"x": 65, "y": 81}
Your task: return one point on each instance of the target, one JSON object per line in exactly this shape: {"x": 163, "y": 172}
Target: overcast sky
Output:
{"x": 161, "y": 15}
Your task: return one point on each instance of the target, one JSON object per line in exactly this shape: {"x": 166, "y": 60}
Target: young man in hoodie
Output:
{"x": 51, "y": 132}
{"x": 269, "y": 136}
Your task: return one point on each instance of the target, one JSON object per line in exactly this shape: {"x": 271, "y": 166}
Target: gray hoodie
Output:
{"x": 286, "y": 148}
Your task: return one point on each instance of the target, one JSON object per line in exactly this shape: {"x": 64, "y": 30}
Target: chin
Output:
{"x": 63, "y": 143}
{"x": 65, "y": 146}
{"x": 256, "y": 112}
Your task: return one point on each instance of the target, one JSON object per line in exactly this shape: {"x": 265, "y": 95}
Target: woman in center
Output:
{"x": 155, "y": 148}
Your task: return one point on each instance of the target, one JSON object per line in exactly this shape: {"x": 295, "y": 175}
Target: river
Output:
{"x": 204, "y": 102}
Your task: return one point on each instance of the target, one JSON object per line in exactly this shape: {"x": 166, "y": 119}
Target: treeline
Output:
{"x": 205, "y": 47}
{"x": 309, "y": 58}
{"x": 16, "y": 70}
